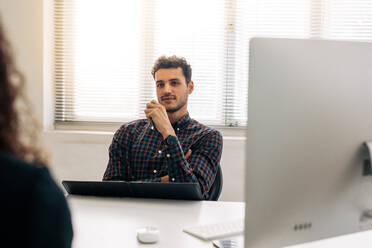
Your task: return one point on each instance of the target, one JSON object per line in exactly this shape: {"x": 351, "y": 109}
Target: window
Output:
{"x": 104, "y": 50}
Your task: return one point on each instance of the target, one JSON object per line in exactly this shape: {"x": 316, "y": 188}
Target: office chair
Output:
{"x": 215, "y": 191}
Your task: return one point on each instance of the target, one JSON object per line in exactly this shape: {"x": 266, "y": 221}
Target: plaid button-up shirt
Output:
{"x": 138, "y": 153}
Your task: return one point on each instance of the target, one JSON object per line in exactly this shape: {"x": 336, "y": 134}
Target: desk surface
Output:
{"x": 112, "y": 222}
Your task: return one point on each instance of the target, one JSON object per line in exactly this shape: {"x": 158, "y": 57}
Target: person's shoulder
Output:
{"x": 131, "y": 127}
{"x": 198, "y": 126}
{"x": 134, "y": 124}
{"x": 18, "y": 175}
{"x": 46, "y": 189}
{"x": 17, "y": 168}
{"x": 30, "y": 186}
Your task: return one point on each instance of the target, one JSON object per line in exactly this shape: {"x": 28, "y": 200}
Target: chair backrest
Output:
{"x": 215, "y": 191}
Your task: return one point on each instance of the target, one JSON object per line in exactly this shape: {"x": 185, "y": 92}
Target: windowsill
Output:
{"x": 102, "y": 133}
{"x": 78, "y": 136}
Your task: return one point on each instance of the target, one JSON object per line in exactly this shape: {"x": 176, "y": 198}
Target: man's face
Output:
{"x": 172, "y": 89}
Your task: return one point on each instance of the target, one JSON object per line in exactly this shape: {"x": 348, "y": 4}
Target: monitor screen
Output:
{"x": 309, "y": 113}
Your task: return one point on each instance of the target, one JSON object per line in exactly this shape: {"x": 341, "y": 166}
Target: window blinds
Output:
{"x": 104, "y": 50}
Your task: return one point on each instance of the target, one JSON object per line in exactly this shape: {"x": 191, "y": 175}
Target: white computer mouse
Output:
{"x": 148, "y": 234}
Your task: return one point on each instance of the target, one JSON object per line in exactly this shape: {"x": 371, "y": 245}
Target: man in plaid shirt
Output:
{"x": 168, "y": 146}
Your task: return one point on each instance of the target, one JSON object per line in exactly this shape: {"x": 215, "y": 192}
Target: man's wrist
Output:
{"x": 167, "y": 133}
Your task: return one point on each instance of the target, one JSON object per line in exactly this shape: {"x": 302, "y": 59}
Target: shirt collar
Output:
{"x": 182, "y": 122}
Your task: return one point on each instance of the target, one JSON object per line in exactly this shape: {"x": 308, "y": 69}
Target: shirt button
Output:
{"x": 152, "y": 127}
{"x": 178, "y": 129}
{"x": 155, "y": 171}
{"x": 173, "y": 179}
{"x": 159, "y": 151}
{"x": 168, "y": 155}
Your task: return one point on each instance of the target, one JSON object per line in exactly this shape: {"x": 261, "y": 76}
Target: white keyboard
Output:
{"x": 216, "y": 231}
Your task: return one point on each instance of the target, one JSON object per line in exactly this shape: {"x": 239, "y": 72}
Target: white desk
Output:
{"x": 112, "y": 222}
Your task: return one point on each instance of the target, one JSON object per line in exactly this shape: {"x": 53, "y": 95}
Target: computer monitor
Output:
{"x": 309, "y": 113}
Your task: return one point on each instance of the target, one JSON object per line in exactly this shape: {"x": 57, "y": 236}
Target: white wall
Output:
{"x": 23, "y": 21}
{"x": 77, "y": 154}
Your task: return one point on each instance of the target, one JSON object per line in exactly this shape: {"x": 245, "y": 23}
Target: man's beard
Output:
{"x": 179, "y": 106}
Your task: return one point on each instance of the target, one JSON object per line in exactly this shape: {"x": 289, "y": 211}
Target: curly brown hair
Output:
{"x": 172, "y": 62}
{"x": 19, "y": 131}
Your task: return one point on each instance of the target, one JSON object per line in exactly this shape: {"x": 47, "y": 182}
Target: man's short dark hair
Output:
{"x": 165, "y": 62}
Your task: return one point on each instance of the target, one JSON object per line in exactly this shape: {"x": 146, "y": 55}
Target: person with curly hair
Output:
{"x": 34, "y": 211}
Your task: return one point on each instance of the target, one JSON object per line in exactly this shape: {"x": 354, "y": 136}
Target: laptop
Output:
{"x": 177, "y": 191}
